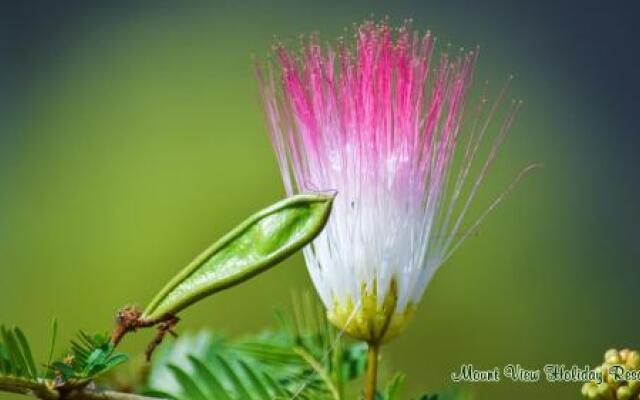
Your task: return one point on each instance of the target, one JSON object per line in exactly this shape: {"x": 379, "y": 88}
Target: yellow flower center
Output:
{"x": 372, "y": 322}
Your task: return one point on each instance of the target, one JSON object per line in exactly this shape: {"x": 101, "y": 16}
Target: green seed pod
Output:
{"x": 260, "y": 242}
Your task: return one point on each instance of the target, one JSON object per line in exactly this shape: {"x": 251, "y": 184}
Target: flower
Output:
{"x": 381, "y": 124}
{"x": 619, "y": 374}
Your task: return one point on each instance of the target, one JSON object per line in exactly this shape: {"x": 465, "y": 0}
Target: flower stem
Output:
{"x": 372, "y": 371}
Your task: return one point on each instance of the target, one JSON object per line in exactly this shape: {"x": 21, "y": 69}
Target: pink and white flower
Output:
{"x": 382, "y": 125}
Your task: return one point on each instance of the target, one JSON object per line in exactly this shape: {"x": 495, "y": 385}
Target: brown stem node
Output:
{"x": 128, "y": 319}
{"x": 164, "y": 326}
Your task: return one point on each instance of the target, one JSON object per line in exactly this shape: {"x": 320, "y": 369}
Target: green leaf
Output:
{"x": 259, "y": 386}
{"x": 54, "y": 338}
{"x": 18, "y": 365}
{"x": 257, "y": 244}
{"x": 190, "y": 388}
{"x": 452, "y": 393}
{"x": 213, "y": 384}
{"x": 284, "y": 363}
{"x": 115, "y": 360}
{"x": 66, "y": 370}
{"x": 233, "y": 377}
{"x": 279, "y": 390}
{"x": 89, "y": 356}
{"x": 159, "y": 394}
{"x": 92, "y": 356}
{"x": 97, "y": 358}
{"x": 394, "y": 387}
{"x": 26, "y": 352}
{"x": 354, "y": 361}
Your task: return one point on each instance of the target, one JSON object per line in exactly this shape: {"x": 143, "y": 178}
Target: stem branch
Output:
{"x": 41, "y": 390}
{"x": 105, "y": 395}
{"x": 309, "y": 359}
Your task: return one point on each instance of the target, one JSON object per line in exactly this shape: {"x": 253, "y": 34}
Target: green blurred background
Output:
{"x": 131, "y": 136}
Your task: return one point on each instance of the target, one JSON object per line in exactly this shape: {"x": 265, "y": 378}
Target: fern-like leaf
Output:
{"x": 88, "y": 357}
{"x": 304, "y": 357}
{"x": 16, "y": 358}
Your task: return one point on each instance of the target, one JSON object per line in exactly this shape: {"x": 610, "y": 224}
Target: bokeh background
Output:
{"x": 131, "y": 136}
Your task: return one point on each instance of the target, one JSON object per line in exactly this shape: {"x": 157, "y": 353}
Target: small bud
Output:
{"x": 633, "y": 360}
{"x": 613, "y": 360}
{"x": 586, "y": 387}
{"x": 624, "y": 393}
{"x": 624, "y": 353}
{"x": 592, "y": 392}
{"x": 604, "y": 370}
{"x": 69, "y": 359}
{"x": 611, "y": 354}
{"x": 605, "y": 391}
{"x": 605, "y": 373}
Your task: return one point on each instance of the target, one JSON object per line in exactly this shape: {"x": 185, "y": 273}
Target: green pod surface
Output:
{"x": 260, "y": 242}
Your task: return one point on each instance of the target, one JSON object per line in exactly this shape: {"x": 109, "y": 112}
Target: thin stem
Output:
{"x": 372, "y": 371}
{"x": 40, "y": 390}
{"x": 105, "y": 395}
{"x": 27, "y": 387}
{"x": 313, "y": 363}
